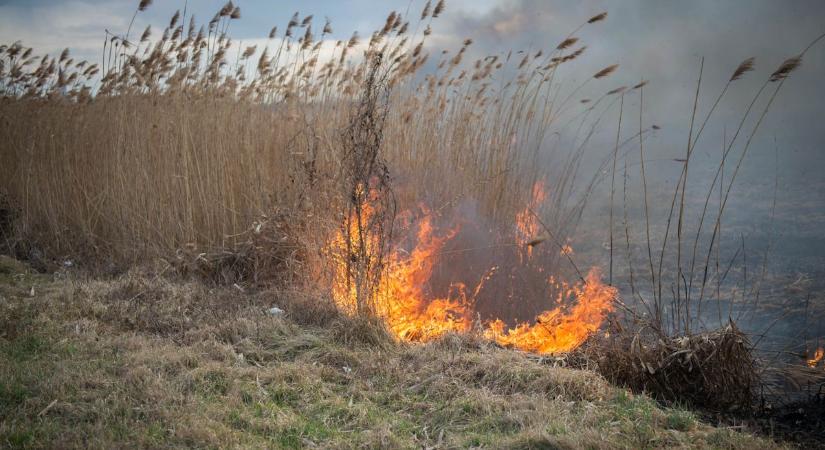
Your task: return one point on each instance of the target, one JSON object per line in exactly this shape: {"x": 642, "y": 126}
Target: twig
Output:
{"x": 558, "y": 244}
{"x": 46, "y": 409}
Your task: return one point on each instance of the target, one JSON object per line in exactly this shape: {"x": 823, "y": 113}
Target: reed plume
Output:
{"x": 439, "y": 8}
{"x": 744, "y": 67}
{"x": 567, "y": 43}
{"x": 597, "y": 18}
{"x": 785, "y": 69}
{"x": 606, "y": 71}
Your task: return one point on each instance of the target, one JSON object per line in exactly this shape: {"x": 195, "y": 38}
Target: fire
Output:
{"x": 399, "y": 294}
{"x": 818, "y": 355}
{"x": 413, "y": 313}
{"x": 557, "y": 330}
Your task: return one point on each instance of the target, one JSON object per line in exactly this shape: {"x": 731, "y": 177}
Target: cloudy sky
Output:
{"x": 657, "y": 40}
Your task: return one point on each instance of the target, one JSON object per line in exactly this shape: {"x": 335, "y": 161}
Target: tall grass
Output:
{"x": 185, "y": 144}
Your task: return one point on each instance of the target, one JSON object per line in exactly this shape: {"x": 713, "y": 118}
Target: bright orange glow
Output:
{"x": 402, "y": 300}
{"x": 399, "y": 296}
{"x": 818, "y": 355}
{"x": 559, "y": 330}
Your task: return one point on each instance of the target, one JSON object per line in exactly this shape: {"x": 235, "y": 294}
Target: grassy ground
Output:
{"x": 149, "y": 362}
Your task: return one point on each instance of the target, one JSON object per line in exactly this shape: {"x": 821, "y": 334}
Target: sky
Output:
{"x": 662, "y": 41}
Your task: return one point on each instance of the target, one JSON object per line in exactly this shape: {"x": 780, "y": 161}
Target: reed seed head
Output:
{"x": 567, "y": 43}
{"x": 426, "y": 11}
{"x": 618, "y": 90}
{"x": 293, "y": 22}
{"x": 598, "y": 17}
{"x": 439, "y": 8}
{"x": 606, "y": 71}
{"x": 146, "y": 33}
{"x": 226, "y": 9}
{"x": 784, "y": 70}
{"x": 744, "y": 67}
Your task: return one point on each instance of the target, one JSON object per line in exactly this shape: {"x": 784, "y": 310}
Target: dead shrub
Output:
{"x": 714, "y": 370}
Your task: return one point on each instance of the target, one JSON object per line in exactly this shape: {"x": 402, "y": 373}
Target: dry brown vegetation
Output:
{"x": 243, "y": 172}
{"x": 149, "y": 362}
{"x": 714, "y": 370}
{"x": 192, "y": 153}
{"x": 185, "y": 147}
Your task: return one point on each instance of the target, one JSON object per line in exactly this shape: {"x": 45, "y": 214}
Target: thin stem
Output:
{"x": 680, "y": 222}
{"x": 647, "y": 208}
{"x": 613, "y": 185}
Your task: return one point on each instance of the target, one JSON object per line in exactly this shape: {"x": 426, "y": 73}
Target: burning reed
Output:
{"x": 290, "y": 162}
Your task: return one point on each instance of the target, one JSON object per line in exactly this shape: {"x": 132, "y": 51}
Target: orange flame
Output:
{"x": 818, "y": 355}
{"x": 413, "y": 314}
{"x": 557, "y": 330}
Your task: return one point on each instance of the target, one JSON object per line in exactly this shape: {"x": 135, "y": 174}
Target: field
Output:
{"x": 307, "y": 240}
{"x": 141, "y": 361}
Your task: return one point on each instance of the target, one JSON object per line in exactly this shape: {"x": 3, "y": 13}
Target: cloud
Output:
{"x": 663, "y": 42}
{"x": 49, "y": 28}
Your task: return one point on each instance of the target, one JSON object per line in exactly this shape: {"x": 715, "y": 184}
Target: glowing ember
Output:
{"x": 818, "y": 355}
{"x": 413, "y": 313}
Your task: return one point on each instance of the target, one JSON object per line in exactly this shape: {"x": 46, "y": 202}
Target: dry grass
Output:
{"x": 715, "y": 370}
{"x": 146, "y": 361}
{"x": 235, "y": 164}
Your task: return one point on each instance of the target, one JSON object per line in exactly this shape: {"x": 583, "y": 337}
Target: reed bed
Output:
{"x": 184, "y": 144}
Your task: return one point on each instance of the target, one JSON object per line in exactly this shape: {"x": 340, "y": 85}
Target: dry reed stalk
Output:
{"x": 613, "y": 185}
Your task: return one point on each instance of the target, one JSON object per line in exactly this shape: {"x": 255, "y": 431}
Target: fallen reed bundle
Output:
{"x": 713, "y": 370}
